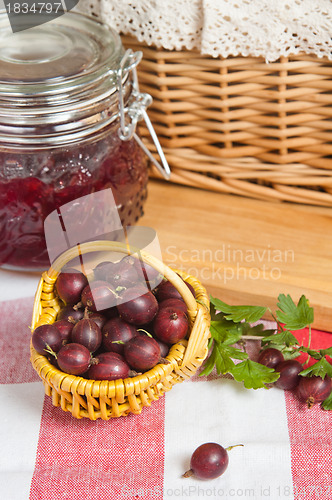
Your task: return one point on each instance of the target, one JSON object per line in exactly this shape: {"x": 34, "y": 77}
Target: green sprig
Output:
{"x": 231, "y": 325}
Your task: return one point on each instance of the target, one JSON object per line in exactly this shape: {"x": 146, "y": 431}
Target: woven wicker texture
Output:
{"x": 239, "y": 125}
{"x": 107, "y": 399}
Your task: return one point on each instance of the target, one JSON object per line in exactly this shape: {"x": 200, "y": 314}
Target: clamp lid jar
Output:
{"x": 69, "y": 103}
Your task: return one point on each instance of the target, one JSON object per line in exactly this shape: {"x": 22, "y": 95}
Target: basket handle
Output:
{"x": 114, "y": 246}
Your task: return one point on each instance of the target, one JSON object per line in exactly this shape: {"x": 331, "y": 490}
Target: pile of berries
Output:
{"x": 120, "y": 324}
{"x": 312, "y": 390}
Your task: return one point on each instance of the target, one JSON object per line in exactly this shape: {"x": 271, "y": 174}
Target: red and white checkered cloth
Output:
{"x": 46, "y": 454}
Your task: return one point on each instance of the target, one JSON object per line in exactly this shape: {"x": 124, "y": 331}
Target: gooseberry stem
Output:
{"x": 233, "y": 446}
{"x": 144, "y": 331}
{"x": 49, "y": 350}
{"x": 309, "y": 344}
{"x": 189, "y": 473}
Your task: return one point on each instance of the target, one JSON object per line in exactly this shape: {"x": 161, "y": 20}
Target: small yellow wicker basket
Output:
{"x": 107, "y": 399}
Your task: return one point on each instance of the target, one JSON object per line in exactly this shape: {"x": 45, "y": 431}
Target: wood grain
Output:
{"x": 246, "y": 251}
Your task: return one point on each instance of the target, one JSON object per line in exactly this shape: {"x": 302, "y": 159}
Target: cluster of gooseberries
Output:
{"x": 120, "y": 324}
{"x": 312, "y": 390}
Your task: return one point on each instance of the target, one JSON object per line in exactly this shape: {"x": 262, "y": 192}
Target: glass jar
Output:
{"x": 61, "y": 129}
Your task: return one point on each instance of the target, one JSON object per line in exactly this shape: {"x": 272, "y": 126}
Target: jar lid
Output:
{"x": 59, "y": 81}
{"x": 67, "y": 80}
{"x": 72, "y": 49}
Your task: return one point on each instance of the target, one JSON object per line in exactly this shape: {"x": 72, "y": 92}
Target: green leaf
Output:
{"x": 294, "y": 316}
{"x": 225, "y": 332}
{"x": 327, "y": 403}
{"x": 223, "y": 363}
{"x": 221, "y": 357}
{"x": 320, "y": 369}
{"x": 213, "y": 313}
{"x": 326, "y": 352}
{"x": 258, "y": 330}
{"x": 285, "y": 337}
{"x": 224, "y": 355}
{"x": 218, "y": 359}
{"x": 290, "y": 353}
{"x": 234, "y": 353}
{"x": 239, "y": 313}
{"x": 209, "y": 364}
{"x": 254, "y": 375}
{"x": 314, "y": 354}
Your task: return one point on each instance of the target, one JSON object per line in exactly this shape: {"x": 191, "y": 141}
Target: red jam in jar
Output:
{"x": 59, "y": 124}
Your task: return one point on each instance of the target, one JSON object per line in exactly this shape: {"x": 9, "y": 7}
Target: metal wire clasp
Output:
{"x": 136, "y": 111}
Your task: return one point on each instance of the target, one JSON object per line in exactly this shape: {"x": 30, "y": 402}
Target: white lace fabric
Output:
{"x": 267, "y": 28}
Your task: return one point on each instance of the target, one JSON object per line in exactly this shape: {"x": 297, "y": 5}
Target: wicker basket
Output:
{"x": 106, "y": 399}
{"x": 239, "y": 125}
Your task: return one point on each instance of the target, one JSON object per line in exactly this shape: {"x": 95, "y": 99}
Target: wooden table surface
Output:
{"x": 246, "y": 251}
